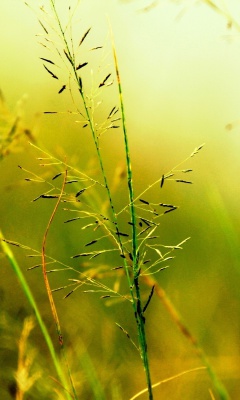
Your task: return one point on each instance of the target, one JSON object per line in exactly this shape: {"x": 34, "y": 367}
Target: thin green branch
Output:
{"x": 138, "y": 308}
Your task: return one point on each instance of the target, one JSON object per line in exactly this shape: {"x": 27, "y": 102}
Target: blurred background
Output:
{"x": 179, "y": 63}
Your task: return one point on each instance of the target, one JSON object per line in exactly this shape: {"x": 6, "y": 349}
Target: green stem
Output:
{"x": 138, "y": 305}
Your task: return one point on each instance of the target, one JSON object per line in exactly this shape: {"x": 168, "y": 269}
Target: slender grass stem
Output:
{"x": 140, "y": 319}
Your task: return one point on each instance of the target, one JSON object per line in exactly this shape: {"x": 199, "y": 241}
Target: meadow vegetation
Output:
{"x": 95, "y": 319}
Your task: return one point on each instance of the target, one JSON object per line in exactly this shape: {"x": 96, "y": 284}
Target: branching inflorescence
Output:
{"x": 131, "y": 233}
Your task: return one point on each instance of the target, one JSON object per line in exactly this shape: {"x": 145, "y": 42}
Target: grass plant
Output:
{"x": 128, "y": 235}
{"x": 26, "y": 289}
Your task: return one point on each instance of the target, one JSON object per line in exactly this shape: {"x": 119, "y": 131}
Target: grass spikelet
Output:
{"x": 103, "y": 83}
{"x": 183, "y": 181}
{"x": 149, "y": 299}
{"x": 197, "y": 150}
{"x": 47, "y": 60}
{"x": 128, "y": 336}
{"x": 144, "y": 201}
{"x": 50, "y": 112}
{"x": 84, "y": 36}
{"x": 62, "y": 89}
{"x": 44, "y": 28}
{"x": 50, "y": 72}
{"x": 170, "y": 210}
{"x": 56, "y": 176}
{"x": 162, "y": 181}
{"x": 81, "y": 65}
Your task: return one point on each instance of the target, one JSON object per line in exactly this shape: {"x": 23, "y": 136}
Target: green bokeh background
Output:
{"x": 179, "y": 65}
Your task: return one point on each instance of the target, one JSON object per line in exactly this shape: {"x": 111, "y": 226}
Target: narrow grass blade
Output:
{"x": 26, "y": 289}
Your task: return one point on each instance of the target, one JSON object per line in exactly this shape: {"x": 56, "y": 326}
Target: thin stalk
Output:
{"x": 138, "y": 305}
{"x": 26, "y": 289}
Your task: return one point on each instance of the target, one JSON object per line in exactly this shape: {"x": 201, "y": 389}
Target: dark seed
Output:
{"x": 111, "y": 112}
{"x": 47, "y": 60}
{"x": 182, "y": 181}
{"x": 146, "y": 221}
{"x": 56, "y": 176}
{"x": 72, "y": 181}
{"x": 72, "y": 219}
{"x": 149, "y": 299}
{"x": 80, "y": 84}
{"x": 68, "y": 57}
{"x": 96, "y": 48}
{"x": 81, "y": 66}
{"x": 144, "y": 201}
{"x": 43, "y": 26}
{"x": 121, "y": 234}
{"x": 171, "y": 209}
{"x": 162, "y": 181}
{"x": 49, "y": 196}
{"x": 67, "y": 295}
{"x": 50, "y": 72}
{"x": 104, "y": 80}
{"x": 62, "y": 89}
{"x": 90, "y": 243}
{"x": 84, "y": 36}
{"x": 79, "y": 192}
{"x": 166, "y": 205}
